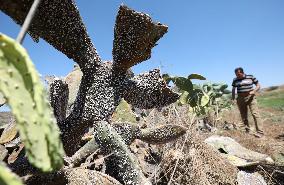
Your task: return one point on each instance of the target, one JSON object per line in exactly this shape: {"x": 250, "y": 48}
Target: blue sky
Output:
{"x": 209, "y": 37}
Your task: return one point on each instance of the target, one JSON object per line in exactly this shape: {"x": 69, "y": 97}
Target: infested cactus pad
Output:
{"x": 162, "y": 134}
{"x": 135, "y": 34}
{"x": 105, "y": 90}
{"x": 59, "y": 93}
{"x": 121, "y": 163}
{"x": 129, "y": 132}
{"x": 148, "y": 90}
{"x": 60, "y": 24}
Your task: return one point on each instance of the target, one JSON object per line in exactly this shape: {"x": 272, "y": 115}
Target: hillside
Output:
{"x": 272, "y": 97}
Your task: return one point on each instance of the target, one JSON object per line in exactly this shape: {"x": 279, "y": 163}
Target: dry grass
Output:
{"x": 197, "y": 164}
{"x": 189, "y": 160}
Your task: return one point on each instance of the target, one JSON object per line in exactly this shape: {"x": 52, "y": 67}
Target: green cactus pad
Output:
{"x": 7, "y": 177}
{"x": 223, "y": 87}
{"x": 204, "y": 100}
{"x": 183, "y": 83}
{"x": 195, "y": 76}
{"x": 21, "y": 86}
{"x": 124, "y": 113}
{"x": 183, "y": 98}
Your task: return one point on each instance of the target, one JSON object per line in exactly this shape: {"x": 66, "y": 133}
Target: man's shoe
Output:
{"x": 257, "y": 135}
{"x": 247, "y": 130}
{"x": 260, "y": 132}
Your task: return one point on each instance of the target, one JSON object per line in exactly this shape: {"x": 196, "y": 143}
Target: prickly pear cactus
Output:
{"x": 21, "y": 86}
{"x": 219, "y": 95}
{"x": 7, "y": 177}
{"x": 215, "y": 90}
{"x": 103, "y": 84}
{"x": 201, "y": 98}
{"x": 189, "y": 92}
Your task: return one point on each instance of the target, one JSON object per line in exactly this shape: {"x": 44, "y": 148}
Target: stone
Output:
{"x": 245, "y": 178}
{"x": 237, "y": 154}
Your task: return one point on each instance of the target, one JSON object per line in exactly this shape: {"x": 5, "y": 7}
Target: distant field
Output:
{"x": 272, "y": 98}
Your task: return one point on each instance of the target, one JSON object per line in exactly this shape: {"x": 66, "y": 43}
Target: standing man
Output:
{"x": 246, "y": 97}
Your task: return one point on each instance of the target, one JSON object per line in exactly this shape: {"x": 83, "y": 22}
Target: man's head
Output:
{"x": 239, "y": 72}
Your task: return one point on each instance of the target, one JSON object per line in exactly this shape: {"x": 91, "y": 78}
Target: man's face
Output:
{"x": 239, "y": 74}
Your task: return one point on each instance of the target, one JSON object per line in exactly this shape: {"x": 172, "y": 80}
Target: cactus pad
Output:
{"x": 7, "y": 177}
{"x": 21, "y": 86}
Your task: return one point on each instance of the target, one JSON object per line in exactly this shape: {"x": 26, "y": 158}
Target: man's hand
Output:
{"x": 233, "y": 101}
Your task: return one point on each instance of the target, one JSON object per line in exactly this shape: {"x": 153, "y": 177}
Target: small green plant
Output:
{"x": 190, "y": 93}
{"x": 204, "y": 100}
{"x": 218, "y": 96}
